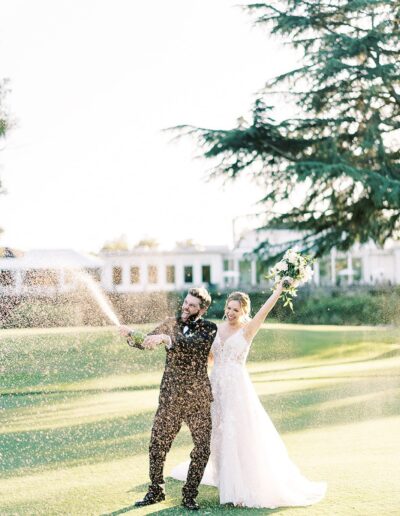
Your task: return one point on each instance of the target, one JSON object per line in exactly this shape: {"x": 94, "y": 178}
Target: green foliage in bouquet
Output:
{"x": 288, "y": 294}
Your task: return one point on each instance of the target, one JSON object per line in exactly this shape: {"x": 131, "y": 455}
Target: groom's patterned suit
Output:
{"x": 185, "y": 396}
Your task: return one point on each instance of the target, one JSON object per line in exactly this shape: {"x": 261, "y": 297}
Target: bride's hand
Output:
{"x": 287, "y": 282}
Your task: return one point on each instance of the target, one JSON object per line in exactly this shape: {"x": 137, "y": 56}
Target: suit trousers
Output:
{"x": 167, "y": 423}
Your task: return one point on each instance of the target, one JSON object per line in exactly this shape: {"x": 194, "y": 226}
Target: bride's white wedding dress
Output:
{"x": 249, "y": 463}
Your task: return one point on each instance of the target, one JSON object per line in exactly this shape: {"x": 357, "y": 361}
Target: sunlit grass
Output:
{"x": 78, "y": 407}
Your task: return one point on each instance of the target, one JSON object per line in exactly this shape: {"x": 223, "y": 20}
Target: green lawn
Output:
{"x": 77, "y": 408}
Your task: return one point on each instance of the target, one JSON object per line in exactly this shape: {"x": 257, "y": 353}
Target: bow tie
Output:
{"x": 192, "y": 325}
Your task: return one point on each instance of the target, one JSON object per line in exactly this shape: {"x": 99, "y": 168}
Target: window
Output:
{"x": 341, "y": 265}
{"x": 7, "y": 279}
{"x": 260, "y": 272}
{"x": 135, "y": 274}
{"x": 69, "y": 276}
{"x": 206, "y": 273}
{"x": 41, "y": 278}
{"x": 117, "y": 275}
{"x": 188, "y": 274}
{"x": 152, "y": 273}
{"x": 170, "y": 273}
{"x": 94, "y": 273}
{"x": 245, "y": 272}
{"x": 325, "y": 276}
{"x": 357, "y": 268}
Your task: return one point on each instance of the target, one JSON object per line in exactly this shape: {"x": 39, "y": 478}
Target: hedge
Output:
{"x": 312, "y": 306}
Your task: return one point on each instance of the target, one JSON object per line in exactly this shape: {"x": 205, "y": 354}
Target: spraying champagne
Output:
{"x": 134, "y": 338}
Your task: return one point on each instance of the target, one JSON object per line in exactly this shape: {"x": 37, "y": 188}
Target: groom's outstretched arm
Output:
{"x": 162, "y": 334}
{"x": 157, "y": 336}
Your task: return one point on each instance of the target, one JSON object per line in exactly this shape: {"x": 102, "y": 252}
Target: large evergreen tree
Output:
{"x": 334, "y": 167}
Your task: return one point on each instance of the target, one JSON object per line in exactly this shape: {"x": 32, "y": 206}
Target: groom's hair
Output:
{"x": 202, "y": 294}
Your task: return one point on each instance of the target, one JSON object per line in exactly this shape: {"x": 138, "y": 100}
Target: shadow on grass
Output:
{"x": 36, "y": 360}
{"x": 298, "y": 410}
{"x": 356, "y": 399}
{"x": 26, "y": 398}
{"x": 207, "y": 508}
{"x": 359, "y": 399}
{"x": 86, "y": 443}
{"x": 81, "y": 391}
{"x": 281, "y": 344}
{"x": 386, "y": 355}
{"x": 208, "y": 500}
{"x": 128, "y": 508}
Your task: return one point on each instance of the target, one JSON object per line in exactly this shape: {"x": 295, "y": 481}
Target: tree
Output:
{"x": 186, "y": 244}
{"x": 331, "y": 171}
{"x": 118, "y": 244}
{"x": 148, "y": 243}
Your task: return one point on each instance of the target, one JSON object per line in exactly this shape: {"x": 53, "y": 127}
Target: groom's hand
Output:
{"x": 124, "y": 331}
{"x": 152, "y": 341}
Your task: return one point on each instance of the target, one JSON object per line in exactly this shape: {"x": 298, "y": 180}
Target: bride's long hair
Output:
{"x": 244, "y": 301}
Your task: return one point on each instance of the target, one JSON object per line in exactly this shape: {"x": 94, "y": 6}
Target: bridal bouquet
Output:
{"x": 294, "y": 269}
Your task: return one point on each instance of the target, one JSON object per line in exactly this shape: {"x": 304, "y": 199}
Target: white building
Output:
{"x": 44, "y": 272}
{"x": 147, "y": 270}
{"x": 48, "y": 272}
{"x": 364, "y": 264}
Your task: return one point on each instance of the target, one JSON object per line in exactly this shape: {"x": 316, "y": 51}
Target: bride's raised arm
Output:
{"x": 252, "y": 327}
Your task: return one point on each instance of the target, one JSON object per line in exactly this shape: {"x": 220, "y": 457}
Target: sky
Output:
{"x": 94, "y": 84}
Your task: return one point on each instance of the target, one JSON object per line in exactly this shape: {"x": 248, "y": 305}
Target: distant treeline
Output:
{"x": 356, "y": 305}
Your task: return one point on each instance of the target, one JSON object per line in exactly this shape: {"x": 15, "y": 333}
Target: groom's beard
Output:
{"x": 191, "y": 318}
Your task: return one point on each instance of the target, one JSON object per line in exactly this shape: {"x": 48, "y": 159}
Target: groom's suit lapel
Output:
{"x": 192, "y": 327}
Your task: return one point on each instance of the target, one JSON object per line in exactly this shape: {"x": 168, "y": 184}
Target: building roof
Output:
{"x": 51, "y": 259}
{"x": 8, "y": 252}
{"x": 140, "y": 251}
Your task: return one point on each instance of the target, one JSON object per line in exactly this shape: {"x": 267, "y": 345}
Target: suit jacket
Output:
{"x": 185, "y": 380}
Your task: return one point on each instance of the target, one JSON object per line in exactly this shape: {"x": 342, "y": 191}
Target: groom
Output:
{"x": 185, "y": 394}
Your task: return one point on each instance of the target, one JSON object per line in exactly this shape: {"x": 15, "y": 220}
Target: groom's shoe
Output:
{"x": 190, "y": 504}
{"x": 150, "y": 498}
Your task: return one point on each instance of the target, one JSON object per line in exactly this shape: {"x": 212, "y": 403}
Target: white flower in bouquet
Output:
{"x": 291, "y": 257}
{"x": 281, "y": 266}
{"x": 294, "y": 269}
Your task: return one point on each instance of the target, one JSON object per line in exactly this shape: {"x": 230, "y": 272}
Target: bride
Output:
{"x": 249, "y": 462}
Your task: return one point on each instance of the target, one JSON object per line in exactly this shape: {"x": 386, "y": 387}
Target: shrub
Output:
{"x": 312, "y": 306}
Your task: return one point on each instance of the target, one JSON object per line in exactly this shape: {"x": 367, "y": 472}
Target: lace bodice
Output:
{"x": 233, "y": 350}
